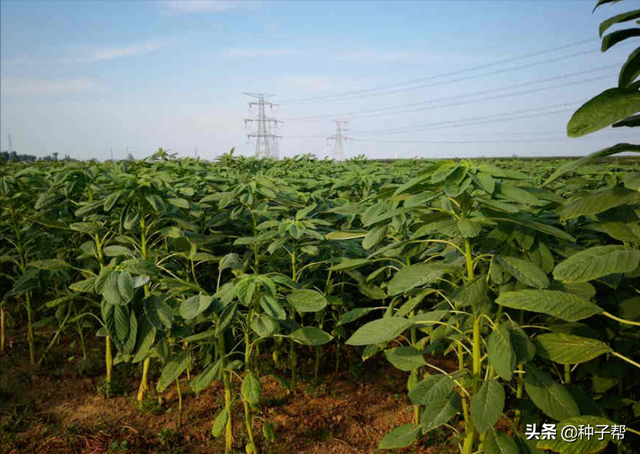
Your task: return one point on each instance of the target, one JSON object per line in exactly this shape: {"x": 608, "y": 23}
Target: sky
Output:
{"x": 429, "y": 78}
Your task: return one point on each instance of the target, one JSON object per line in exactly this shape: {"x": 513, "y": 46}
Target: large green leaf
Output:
{"x": 220, "y": 423}
{"x": 566, "y": 306}
{"x": 251, "y": 388}
{"x": 614, "y": 38}
{"x": 502, "y": 356}
{"x": 210, "y": 373}
{"x": 580, "y": 445}
{"x": 603, "y": 110}
{"x": 349, "y": 264}
{"x": 440, "y": 411}
{"x": 416, "y": 275}
{"x": 405, "y": 358}
{"x": 195, "y": 305}
{"x": 173, "y": 369}
{"x": 548, "y": 395}
{"x": 597, "y": 262}
{"x": 526, "y": 272}
{"x": 569, "y": 349}
{"x": 400, "y": 437}
{"x": 599, "y": 202}
{"x": 630, "y": 71}
{"x": 573, "y": 165}
{"x": 307, "y": 300}
{"x": 374, "y": 236}
{"x": 264, "y": 326}
{"x": 487, "y": 405}
{"x": 619, "y": 18}
{"x": 431, "y": 389}
{"x": 500, "y": 443}
{"x": 310, "y": 335}
{"x": 378, "y": 331}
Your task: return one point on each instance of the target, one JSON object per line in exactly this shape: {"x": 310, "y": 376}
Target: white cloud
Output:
{"x": 373, "y": 56}
{"x": 32, "y": 87}
{"x": 199, "y": 6}
{"x": 254, "y": 53}
{"x": 109, "y": 53}
{"x": 313, "y": 83}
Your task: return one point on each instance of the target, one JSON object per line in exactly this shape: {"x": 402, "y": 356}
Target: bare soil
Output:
{"x": 58, "y": 409}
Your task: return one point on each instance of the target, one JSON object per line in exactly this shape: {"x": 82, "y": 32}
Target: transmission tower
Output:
{"x": 266, "y": 144}
{"x": 10, "y": 144}
{"x": 338, "y": 149}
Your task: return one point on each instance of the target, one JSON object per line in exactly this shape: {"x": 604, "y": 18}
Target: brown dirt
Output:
{"x": 60, "y": 412}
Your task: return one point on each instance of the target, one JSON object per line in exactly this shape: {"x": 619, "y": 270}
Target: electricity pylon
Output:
{"x": 338, "y": 149}
{"x": 266, "y": 144}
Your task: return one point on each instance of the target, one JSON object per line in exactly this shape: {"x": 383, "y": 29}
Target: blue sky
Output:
{"x": 82, "y": 77}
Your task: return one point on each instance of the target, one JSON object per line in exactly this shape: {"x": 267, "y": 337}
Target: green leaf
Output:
{"x": 548, "y": 395}
{"x": 569, "y": 349}
{"x": 374, "y": 236}
{"x": 630, "y": 71}
{"x": 111, "y": 199}
{"x": 630, "y": 122}
{"x": 310, "y": 335}
{"x": 251, "y": 388}
{"x": 598, "y": 202}
{"x": 173, "y": 369}
{"x": 416, "y": 275}
{"x": 440, "y": 411}
{"x": 378, "y": 331}
{"x": 522, "y": 345}
{"x": 581, "y": 445}
{"x": 500, "y": 443}
{"x": 146, "y": 335}
{"x": 118, "y": 288}
{"x": 158, "y": 311}
{"x": 272, "y": 307}
{"x": 565, "y": 306}
{"x": 220, "y": 423}
{"x": 125, "y": 286}
{"x": 614, "y": 38}
{"x": 349, "y": 264}
{"x": 501, "y": 353}
{"x": 210, "y": 373}
{"x": 619, "y": 18}
{"x": 264, "y": 326}
{"x": 117, "y": 251}
{"x": 431, "y": 389}
{"x": 195, "y": 305}
{"x": 345, "y": 235}
{"x": 50, "y": 264}
{"x": 178, "y": 202}
{"x": 307, "y": 300}
{"x": 573, "y": 165}
{"x": 516, "y": 194}
{"x": 225, "y": 319}
{"x": 603, "y": 110}
{"x": 597, "y": 262}
{"x": 469, "y": 228}
{"x": 486, "y": 182}
{"x": 353, "y": 315}
{"x": 526, "y": 272}
{"x": 405, "y": 358}
{"x": 487, "y": 405}
{"x": 86, "y": 285}
{"x": 400, "y": 437}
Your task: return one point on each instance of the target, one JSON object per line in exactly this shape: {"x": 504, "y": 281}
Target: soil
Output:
{"x": 58, "y": 409}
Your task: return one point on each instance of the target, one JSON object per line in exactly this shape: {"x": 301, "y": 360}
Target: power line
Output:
{"x": 459, "y": 142}
{"x": 400, "y": 106}
{"x": 473, "y": 120}
{"x": 447, "y": 74}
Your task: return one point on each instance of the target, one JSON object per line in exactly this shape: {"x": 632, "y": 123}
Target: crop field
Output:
{"x": 177, "y": 305}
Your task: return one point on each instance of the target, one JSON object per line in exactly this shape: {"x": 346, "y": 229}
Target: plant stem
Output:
{"x": 247, "y": 421}
{"x": 32, "y": 348}
{"x": 227, "y": 397}
{"x": 2, "y": 335}
{"x": 567, "y": 374}
{"x": 519, "y": 393}
{"x": 109, "y": 362}
{"x": 144, "y": 383}
{"x": 624, "y": 358}
{"x": 621, "y": 320}
{"x": 179, "y": 401}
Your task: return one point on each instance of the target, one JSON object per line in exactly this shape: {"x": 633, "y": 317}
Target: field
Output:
{"x": 176, "y": 305}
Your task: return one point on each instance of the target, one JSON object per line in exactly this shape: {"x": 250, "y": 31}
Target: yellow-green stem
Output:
{"x": 108, "y": 360}
{"x": 179, "y": 402}
{"x": 144, "y": 383}
{"x": 567, "y": 374}
{"x": 32, "y": 347}
{"x": 247, "y": 421}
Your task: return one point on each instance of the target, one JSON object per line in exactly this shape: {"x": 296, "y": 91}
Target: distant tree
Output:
{"x": 130, "y": 157}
